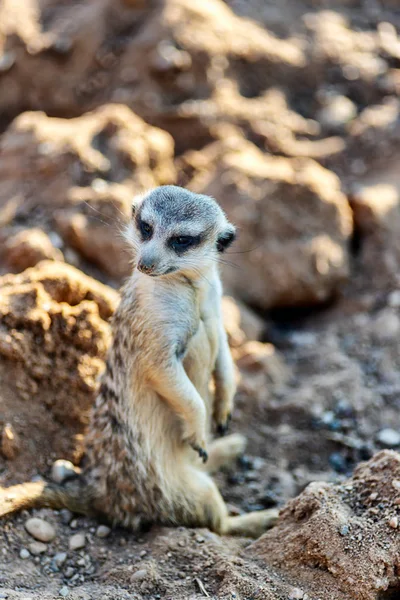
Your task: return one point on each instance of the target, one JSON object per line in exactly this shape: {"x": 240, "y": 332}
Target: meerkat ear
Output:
{"x": 226, "y": 238}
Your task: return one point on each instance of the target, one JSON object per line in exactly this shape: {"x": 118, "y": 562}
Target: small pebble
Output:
{"x": 62, "y": 470}
{"x": 199, "y": 539}
{"x": 394, "y": 522}
{"x": 245, "y": 462}
{"x": 388, "y": 438}
{"x": 143, "y": 553}
{"x": 36, "y": 548}
{"x": 40, "y": 529}
{"x": 139, "y": 575}
{"x": 345, "y": 530}
{"x": 66, "y": 516}
{"x": 296, "y": 594}
{"x": 394, "y": 299}
{"x": 69, "y": 572}
{"x": 337, "y": 462}
{"x": 64, "y": 591}
{"x": 396, "y": 484}
{"x": 24, "y": 553}
{"x": 373, "y": 496}
{"x": 58, "y": 560}
{"x": 103, "y": 531}
{"x": 268, "y": 499}
{"x": 77, "y": 541}
{"x": 338, "y": 111}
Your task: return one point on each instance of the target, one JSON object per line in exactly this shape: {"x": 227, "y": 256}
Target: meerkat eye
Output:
{"x": 180, "y": 243}
{"x": 146, "y": 230}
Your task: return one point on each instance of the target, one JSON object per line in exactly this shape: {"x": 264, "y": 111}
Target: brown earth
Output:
{"x": 53, "y": 338}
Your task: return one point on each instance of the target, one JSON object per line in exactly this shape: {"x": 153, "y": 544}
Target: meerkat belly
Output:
{"x": 200, "y": 357}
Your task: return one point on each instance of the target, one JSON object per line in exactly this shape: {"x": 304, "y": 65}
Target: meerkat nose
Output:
{"x": 145, "y": 267}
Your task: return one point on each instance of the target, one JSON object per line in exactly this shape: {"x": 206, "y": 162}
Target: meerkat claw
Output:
{"x": 201, "y": 452}
{"x": 222, "y": 428}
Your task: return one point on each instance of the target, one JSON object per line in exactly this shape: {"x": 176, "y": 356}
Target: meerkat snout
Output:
{"x": 177, "y": 231}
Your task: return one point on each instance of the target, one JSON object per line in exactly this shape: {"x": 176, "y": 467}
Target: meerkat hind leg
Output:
{"x": 224, "y": 451}
{"x": 209, "y": 510}
{"x": 252, "y": 524}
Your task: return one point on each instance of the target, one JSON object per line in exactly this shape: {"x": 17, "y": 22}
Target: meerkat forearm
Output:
{"x": 173, "y": 385}
{"x": 225, "y": 384}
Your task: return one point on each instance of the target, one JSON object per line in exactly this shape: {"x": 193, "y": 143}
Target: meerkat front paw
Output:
{"x": 196, "y": 440}
{"x": 201, "y": 452}
{"x": 222, "y": 427}
{"x": 222, "y": 415}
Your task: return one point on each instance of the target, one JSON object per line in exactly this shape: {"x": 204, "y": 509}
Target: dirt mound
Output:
{"x": 342, "y": 541}
{"x": 293, "y": 220}
{"x": 53, "y": 338}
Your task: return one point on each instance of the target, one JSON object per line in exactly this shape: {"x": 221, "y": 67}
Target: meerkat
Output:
{"x": 148, "y": 454}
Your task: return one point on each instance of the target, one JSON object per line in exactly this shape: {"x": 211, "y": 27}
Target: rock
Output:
{"x": 273, "y": 201}
{"x": 62, "y": 470}
{"x": 40, "y": 529}
{"x": 10, "y": 444}
{"x": 241, "y": 323}
{"x": 386, "y": 326}
{"x": 64, "y": 591}
{"x": 60, "y": 558}
{"x": 337, "y": 112}
{"x": 139, "y": 575}
{"x": 389, "y": 438}
{"x": 77, "y": 541}
{"x": 24, "y": 553}
{"x": 258, "y": 358}
{"x": 103, "y": 531}
{"x": 37, "y": 548}
{"x": 376, "y": 208}
{"x": 394, "y": 522}
{"x": 82, "y": 174}
{"x": 394, "y": 299}
{"x": 28, "y": 247}
{"x": 66, "y": 516}
{"x": 53, "y": 338}
{"x": 159, "y": 67}
{"x": 312, "y": 525}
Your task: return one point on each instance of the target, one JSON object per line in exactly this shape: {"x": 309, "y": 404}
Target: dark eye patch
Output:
{"x": 146, "y": 230}
{"x": 182, "y": 243}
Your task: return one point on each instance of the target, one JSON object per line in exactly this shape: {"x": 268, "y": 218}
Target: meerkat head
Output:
{"x": 176, "y": 231}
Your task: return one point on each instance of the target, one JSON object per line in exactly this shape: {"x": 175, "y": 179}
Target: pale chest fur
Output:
{"x": 201, "y": 352}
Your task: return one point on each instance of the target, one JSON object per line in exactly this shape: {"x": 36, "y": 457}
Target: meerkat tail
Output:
{"x": 40, "y": 494}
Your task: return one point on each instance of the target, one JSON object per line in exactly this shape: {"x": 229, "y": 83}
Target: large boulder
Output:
{"x": 54, "y": 334}
{"x": 337, "y": 542}
{"x": 78, "y": 176}
{"x": 294, "y": 223}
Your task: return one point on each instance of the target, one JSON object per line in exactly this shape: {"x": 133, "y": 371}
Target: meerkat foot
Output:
{"x": 252, "y": 524}
{"x": 225, "y": 450}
